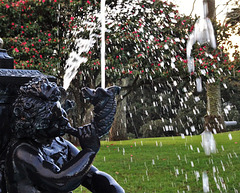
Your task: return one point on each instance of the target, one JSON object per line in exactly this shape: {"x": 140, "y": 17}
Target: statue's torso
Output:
{"x": 56, "y": 151}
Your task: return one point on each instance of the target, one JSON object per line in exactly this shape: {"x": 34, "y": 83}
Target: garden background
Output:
{"x": 145, "y": 55}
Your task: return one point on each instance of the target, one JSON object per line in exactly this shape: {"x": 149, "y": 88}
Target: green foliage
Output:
{"x": 230, "y": 96}
{"x": 143, "y": 38}
{"x": 141, "y": 41}
{"x": 153, "y": 128}
{"x": 233, "y": 17}
{"x": 35, "y": 32}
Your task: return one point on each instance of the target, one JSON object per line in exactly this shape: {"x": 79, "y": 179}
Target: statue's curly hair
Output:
{"x": 32, "y": 110}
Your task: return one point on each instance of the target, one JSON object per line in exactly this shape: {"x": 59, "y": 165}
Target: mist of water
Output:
{"x": 75, "y": 59}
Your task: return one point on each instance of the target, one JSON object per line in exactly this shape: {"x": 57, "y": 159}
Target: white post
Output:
{"x": 103, "y": 64}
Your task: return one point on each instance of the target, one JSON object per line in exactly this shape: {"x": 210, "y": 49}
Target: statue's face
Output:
{"x": 37, "y": 111}
{"x": 57, "y": 122}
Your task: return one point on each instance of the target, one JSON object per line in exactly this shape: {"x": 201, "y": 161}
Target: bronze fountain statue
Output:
{"x": 34, "y": 157}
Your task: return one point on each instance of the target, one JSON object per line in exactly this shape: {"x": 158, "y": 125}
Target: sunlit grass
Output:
{"x": 171, "y": 164}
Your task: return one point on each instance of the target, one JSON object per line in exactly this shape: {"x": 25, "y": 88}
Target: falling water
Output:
{"x": 83, "y": 46}
{"x": 205, "y": 182}
{"x": 208, "y": 142}
{"x": 75, "y": 59}
{"x": 203, "y": 33}
{"x": 199, "y": 84}
{"x": 103, "y": 62}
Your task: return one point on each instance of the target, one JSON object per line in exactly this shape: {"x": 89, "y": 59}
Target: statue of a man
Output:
{"x": 39, "y": 160}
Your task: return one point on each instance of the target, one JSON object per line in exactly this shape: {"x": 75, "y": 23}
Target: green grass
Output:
{"x": 171, "y": 164}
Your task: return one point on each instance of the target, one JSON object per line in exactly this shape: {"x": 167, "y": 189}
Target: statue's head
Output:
{"x": 37, "y": 111}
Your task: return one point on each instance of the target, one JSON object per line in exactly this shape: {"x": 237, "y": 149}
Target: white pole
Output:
{"x": 103, "y": 64}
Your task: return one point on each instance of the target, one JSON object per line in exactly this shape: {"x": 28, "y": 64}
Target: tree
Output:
{"x": 214, "y": 118}
{"x": 142, "y": 44}
{"x": 145, "y": 42}
{"x": 233, "y": 18}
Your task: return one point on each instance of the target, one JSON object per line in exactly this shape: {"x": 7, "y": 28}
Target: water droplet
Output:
{"x": 153, "y": 162}
{"x": 197, "y": 174}
{"x": 176, "y": 172}
{"x": 192, "y": 164}
{"x": 205, "y": 182}
{"x": 199, "y": 84}
{"x": 208, "y": 142}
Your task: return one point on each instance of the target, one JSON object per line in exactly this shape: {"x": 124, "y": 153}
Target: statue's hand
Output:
{"x": 88, "y": 138}
{"x": 104, "y": 107}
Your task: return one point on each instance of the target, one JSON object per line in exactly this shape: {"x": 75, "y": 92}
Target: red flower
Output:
{"x": 7, "y": 6}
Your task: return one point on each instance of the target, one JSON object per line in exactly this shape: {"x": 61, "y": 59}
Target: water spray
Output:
{"x": 103, "y": 62}
{"x": 203, "y": 33}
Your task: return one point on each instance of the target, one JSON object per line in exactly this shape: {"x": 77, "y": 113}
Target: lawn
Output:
{"x": 171, "y": 164}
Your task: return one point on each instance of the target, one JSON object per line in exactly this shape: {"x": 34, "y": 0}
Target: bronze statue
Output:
{"x": 39, "y": 160}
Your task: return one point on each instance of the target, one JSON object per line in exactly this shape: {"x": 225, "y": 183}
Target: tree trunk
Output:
{"x": 214, "y": 118}
{"x": 119, "y": 127}
{"x": 211, "y": 9}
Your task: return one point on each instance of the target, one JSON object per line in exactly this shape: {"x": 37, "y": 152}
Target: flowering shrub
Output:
{"x": 34, "y": 32}
{"x": 144, "y": 38}
{"x": 148, "y": 39}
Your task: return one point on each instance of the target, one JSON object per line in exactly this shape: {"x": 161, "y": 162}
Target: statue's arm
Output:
{"x": 48, "y": 175}
{"x": 95, "y": 180}
{"x": 103, "y": 114}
